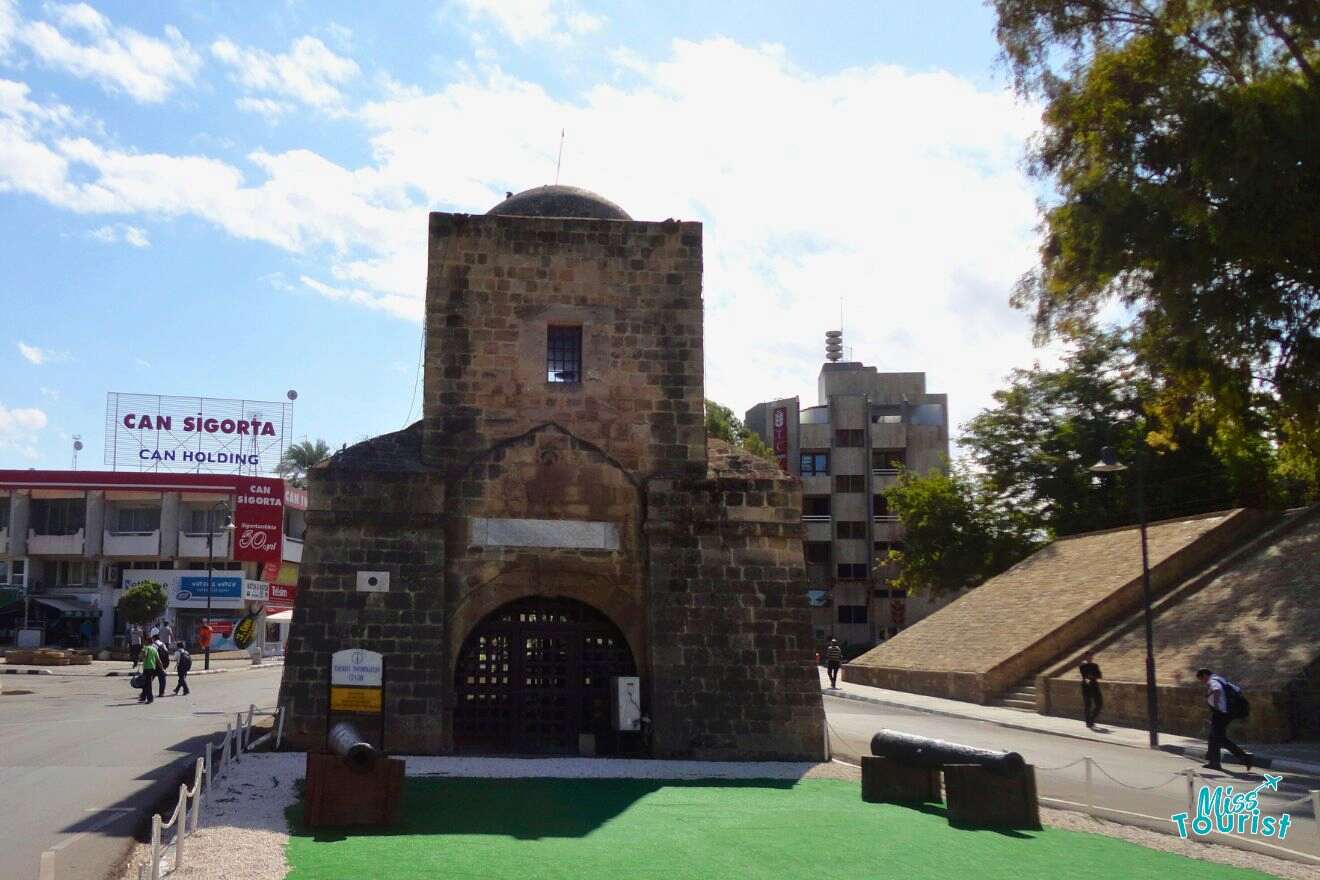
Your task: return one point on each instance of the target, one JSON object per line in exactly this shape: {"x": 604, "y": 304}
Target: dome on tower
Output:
{"x": 560, "y": 201}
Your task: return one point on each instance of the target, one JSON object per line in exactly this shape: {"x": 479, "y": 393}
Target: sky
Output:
{"x": 230, "y": 200}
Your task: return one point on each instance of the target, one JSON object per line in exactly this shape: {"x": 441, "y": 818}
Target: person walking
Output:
{"x": 1226, "y": 705}
{"x": 134, "y": 643}
{"x": 150, "y": 663}
{"x": 182, "y": 664}
{"x": 167, "y": 636}
{"x": 1092, "y": 702}
{"x": 162, "y": 663}
{"x": 833, "y": 660}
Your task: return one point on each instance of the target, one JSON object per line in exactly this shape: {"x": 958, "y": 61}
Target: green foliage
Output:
{"x": 301, "y": 457}
{"x": 1180, "y": 137}
{"x": 722, "y": 424}
{"x": 143, "y": 602}
{"x": 955, "y": 537}
{"x": 1032, "y": 450}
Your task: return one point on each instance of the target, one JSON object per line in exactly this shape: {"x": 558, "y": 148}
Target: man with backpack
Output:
{"x": 163, "y": 663}
{"x": 181, "y": 667}
{"x": 1227, "y": 704}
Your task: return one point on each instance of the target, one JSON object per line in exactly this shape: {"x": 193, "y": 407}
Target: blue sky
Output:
{"x": 231, "y": 201}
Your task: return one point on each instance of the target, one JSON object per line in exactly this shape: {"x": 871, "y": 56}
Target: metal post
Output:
{"x": 1090, "y": 790}
{"x": 1152, "y": 696}
{"x": 279, "y": 729}
{"x": 210, "y": 761}
{"x": 247, "y": 738}
{"x": 1191, "y": 792}
{"x": 155, "y": 847}
{"x": 238, "y": 736}
{"x": 181, "y": 831}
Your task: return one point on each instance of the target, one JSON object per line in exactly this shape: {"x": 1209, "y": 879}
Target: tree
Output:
{"x": 1179, "y": 137}
{"x": 299, "y": 458}
{"x": 143, "y": 602}
{"x": 955, "y": 537}
{"x": 1032, "y": 449}
{"x": 722, "y": 424}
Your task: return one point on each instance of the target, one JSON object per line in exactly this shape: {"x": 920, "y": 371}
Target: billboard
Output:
{"x": 155, "y": 432}
{"x": 258, "y": 519}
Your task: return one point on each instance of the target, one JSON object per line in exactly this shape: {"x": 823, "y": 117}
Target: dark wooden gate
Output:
{"x": 534, "y": 675}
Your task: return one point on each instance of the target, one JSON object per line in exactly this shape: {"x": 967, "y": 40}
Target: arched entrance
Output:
{"x": 534, "y": 674}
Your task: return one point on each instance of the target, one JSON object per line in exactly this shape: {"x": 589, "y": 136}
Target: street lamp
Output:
{"x": 210, "y": 563}
{"x": 1109, "y": 464}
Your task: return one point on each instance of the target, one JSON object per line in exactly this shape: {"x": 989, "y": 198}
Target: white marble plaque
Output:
{"x": 567, "y": 534}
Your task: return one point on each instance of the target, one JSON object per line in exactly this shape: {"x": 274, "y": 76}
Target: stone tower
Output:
{"x": 556, "y": 518}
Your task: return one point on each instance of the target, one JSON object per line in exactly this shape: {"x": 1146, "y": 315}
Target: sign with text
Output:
{"x": 780, "y": 436}
{"x": 356, "y": 668}
{"x": 355, "y": 699}
{"x": 258, "y": 519}
{"x": 154, "y": 432}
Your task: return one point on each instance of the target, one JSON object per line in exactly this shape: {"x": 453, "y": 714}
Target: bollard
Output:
{"x": 1191, "y": 792}
{"x": 155, "y": 847}
{"x": 181, "y": 831}
{"x": 1090, "y": 791}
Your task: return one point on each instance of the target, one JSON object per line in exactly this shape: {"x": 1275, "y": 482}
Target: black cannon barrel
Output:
{"x": 922, "y": 751}
{"x": 347, "y": 743}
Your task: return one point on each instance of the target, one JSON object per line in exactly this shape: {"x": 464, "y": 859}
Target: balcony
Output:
{"x": 55, "y": 545}
{"x": 293, "y": 548}
{"x": 887, "y": 528}
{"x": 192, "y": 545}
{"x": 131, "y": 543}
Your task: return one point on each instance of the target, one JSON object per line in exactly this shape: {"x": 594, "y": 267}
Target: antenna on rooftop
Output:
{"x": 77, "y": 447}
{"x": 833, "y": 345}
{"x": 560, "y": 160}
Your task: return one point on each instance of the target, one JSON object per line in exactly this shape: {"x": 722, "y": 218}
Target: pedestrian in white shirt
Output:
{"x": 1226, "y": 705}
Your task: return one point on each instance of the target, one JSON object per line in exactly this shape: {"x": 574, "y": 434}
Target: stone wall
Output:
{"x": 374, "y": 508}
{"x": 495, "y": 283}
{"x": 732, "y": 669}
{"x": 1044, "y": 607}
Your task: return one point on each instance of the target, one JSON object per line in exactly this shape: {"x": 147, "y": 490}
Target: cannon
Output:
{"x": 921, "y": 751}
{"x": 345, "y": 741}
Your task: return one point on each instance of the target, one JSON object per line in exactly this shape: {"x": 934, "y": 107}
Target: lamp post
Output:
{"x": 1109, "y": 464}
{"x": 210, "y": 563}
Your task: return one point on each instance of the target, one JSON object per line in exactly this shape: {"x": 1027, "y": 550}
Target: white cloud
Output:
{"x": 309, "y": 72}
{"x": 50, "y": 393}
{"x": 526, "y": 20}
{"x": 19, "y": 429}
{"x": 267, "y": 107}
{"x": 86, "y": 44}
{"x": 900, "y": 192}
{"x": 117, "y": 232}
{"x": 35, "y": 355}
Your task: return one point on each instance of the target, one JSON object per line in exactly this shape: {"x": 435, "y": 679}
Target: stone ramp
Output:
{"x": 1256, "y": 619}
{"x": 1044, "y": 607}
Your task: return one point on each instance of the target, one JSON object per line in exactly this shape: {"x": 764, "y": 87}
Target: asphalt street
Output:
{"x": 81, "y": 762}
{"x": 1138, "y": 781}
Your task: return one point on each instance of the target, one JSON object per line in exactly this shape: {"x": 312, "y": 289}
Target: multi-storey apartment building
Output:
{"x": 70, "y": 541}
{"x": 848, "y": 448}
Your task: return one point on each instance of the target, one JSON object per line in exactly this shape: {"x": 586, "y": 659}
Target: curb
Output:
{"x": 27, "y": 672}
{"x": 191, "y": 673}
{"x": 1263, "y": 762}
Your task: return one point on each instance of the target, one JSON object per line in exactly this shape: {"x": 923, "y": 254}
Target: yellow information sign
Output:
{"x": 355, "y": 699}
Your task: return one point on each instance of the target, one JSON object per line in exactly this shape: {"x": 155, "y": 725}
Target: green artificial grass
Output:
{"x": 585, "y": 829}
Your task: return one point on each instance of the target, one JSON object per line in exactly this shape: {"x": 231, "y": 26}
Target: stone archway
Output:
{"x": 534, "y": 674}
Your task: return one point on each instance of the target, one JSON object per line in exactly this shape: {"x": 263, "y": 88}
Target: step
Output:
{"x": 1021, "y": 694}
{"x": 1012, "y": 703}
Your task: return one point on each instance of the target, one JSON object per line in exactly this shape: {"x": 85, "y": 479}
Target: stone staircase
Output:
{"x": 1021, "y": 697}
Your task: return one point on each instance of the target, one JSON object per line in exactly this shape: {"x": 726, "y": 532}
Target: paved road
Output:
{"x": 80, "y": 751}
{"x": 853, "y": 723}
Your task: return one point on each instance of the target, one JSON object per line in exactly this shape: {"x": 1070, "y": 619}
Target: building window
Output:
{"x": 882, "y": 548}
{"x": 4, "y": 513}
{"x": 850, "y": 483}
{"x": 888, "y": 459}
{"x": 852, "y": 614}
{"x": 850, "y": 437}
{"x": 72, "y": 572}
{"x": 563, "y": 354}
{"x": 815, "y": 505}
{"x": 137, "y": 519}
{"x": 201, "y": 520}
{"x": 817, "y": 552}
{"x": 879, "y": 506}
{"x": 887, "y": 416}
{"x": 850, "y": 530}
{"x": 814, "y": 464}
{"x": 852, "y": 571}
{"x": 58, "y": 517}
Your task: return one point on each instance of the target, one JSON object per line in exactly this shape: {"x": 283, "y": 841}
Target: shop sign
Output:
{"x": 355, "y": 699}
{"x": 357, "y": 668}
{"x": 153, "y": 432}
{"x": 256, "y": 591}
{"x": 192, "y": 588}
{"x": 780, "y": 437}
{"x": 258, "y": 519}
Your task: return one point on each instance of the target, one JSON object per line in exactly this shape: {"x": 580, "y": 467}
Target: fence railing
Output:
{"x": 212, "y": 765}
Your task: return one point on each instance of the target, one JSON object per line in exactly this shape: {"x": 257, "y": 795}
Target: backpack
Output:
{"x": 185, "y": 662}
{"x": 1238, "y": 707}
{"x": 163, "y": 656}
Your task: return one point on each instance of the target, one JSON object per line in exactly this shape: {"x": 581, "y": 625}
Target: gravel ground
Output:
{"x": 243, "y": 831}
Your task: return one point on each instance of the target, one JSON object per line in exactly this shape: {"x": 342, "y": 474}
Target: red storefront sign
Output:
{"x": 282, "y": 597}
{"x": 258, "y": 519}
{"x": 780, "y": 424}
{"x": 283, "y": 580}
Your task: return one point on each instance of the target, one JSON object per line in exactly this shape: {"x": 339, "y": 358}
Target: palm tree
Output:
{"x": 299, "y": 458}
